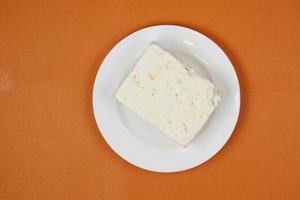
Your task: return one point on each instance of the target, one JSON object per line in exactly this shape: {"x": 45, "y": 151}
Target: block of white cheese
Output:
{"x": 169, "y": 94}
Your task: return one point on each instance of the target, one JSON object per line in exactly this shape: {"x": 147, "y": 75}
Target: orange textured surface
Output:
{"x": 50, "y": 147}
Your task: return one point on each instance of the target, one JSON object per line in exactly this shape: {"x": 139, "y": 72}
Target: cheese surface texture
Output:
{"x": 168, "y": 94}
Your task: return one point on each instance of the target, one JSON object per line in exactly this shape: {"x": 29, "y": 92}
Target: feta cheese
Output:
{"x": 169, "y": 94}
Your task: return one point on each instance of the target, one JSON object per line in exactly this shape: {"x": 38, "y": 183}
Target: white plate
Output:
{"x": 136, "y": 140}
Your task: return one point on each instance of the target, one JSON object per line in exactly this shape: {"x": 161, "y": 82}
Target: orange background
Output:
{"x": 50, "y": 147}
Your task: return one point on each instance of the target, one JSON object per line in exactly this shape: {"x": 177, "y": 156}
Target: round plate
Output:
{"x": 136, "y": 140}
